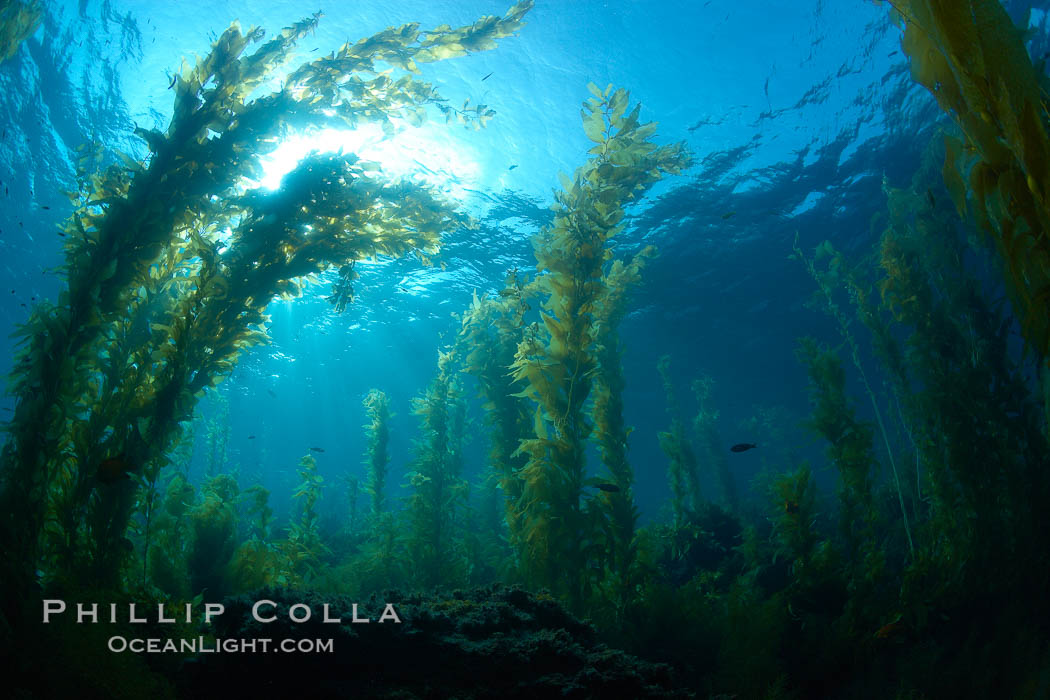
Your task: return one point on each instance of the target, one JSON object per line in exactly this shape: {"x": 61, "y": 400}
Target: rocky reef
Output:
{"x": 495, "y": 642}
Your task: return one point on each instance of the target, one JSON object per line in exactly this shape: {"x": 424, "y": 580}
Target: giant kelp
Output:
{"x": 824, "y": 376}
{"x": 683, "y": 472}
{"x": 492, "y": 328}
{"x": 170, "y": 263}
{"x": 556, "y": 360}
{"x": 705, "y": 425}
{"x": 303, "y": 548}
{"x": 18, "y": 20}
{"x": 972, "y": 58}
{"x": 967, "y": 399}
{"x": 850, "y": 446}
{"x": 377, "y": 431}
{"x": 617, "y": 506}
{"x": 435, "y": 507}
{"x": 213, "y": 528}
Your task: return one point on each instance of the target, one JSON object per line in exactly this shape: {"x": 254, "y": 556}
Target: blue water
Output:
{"x": 795, "y": 112}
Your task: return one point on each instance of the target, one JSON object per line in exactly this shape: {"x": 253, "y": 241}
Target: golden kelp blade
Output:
{"x": 973, "y": 60}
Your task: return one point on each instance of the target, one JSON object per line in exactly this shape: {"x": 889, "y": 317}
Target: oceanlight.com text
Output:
{"x": 207, "y": 645}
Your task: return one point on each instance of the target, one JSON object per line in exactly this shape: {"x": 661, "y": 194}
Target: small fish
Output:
{"x": 251, "y": 437}
{"x": 114, "y": 469}
{"x": 312, "y": 50}
{"x": 172, "y": 83}
{"x": 930, "y": 198}
{"x": 271, "y": 393}
{"x": 608, "y": 488}
{"x": 790, "y": 507}
{"x": 512, "y": 167}
{"x": 487, "y": 77}
{"x": 728, "y": 215}
{"x": 742, "y": 447}
{"x": 889, "y": 629}
{"x": 317, "y": 449}
{"x": 45, "y": 207}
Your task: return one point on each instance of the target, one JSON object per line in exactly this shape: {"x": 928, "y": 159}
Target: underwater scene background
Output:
{"x": 626, "y": 349}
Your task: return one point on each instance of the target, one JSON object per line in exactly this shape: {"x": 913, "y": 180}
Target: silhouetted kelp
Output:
{"x": 170, "y": 265}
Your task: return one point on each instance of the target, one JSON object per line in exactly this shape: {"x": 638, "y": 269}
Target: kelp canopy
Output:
{"x": 170, "y": 264}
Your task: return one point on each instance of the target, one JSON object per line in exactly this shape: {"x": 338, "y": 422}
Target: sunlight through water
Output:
{"x": 424, "y": 154}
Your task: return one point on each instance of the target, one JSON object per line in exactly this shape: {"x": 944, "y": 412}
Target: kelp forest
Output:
{"x": 917, "y": 567}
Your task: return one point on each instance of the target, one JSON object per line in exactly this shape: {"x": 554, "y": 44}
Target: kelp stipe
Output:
{"x": 377, "y": 457}
{"x": 556, "y": 361}
{"x": 213, "y": 531}
{"x": 850, "y": 443}
{"x": 436, "y": 507}
{"x": 301, "y": 552}
{"x": 705, "y": 425}
{"x": 618, "y": 512}
{"x": 257, "y": 562}
{"x": 682, "y": 469}
{"x": 491, "y": 330}
{"x": 217, "y": 436}
{"x": 826, "y": 280}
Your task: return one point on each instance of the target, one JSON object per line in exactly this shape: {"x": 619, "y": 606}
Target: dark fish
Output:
{"x": 251, "y": 437}
{"x": 312, "y": 50}
{"x": 317, "y": 449}
{"x": 728, "y": 215}
{"x": 790, "y": 507}
{"x": 172, "y": 83}
{"x": 45, "y": 207}
{"x": 114, "y": 469}
{"x": 742, "y": 447}
{"x": 930, "y": 198}
{"x": 512, "y": 167}
{"x": 610, "y": 488}
{"x": 271, "y": 393}
{"x": 486, "y": 77}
